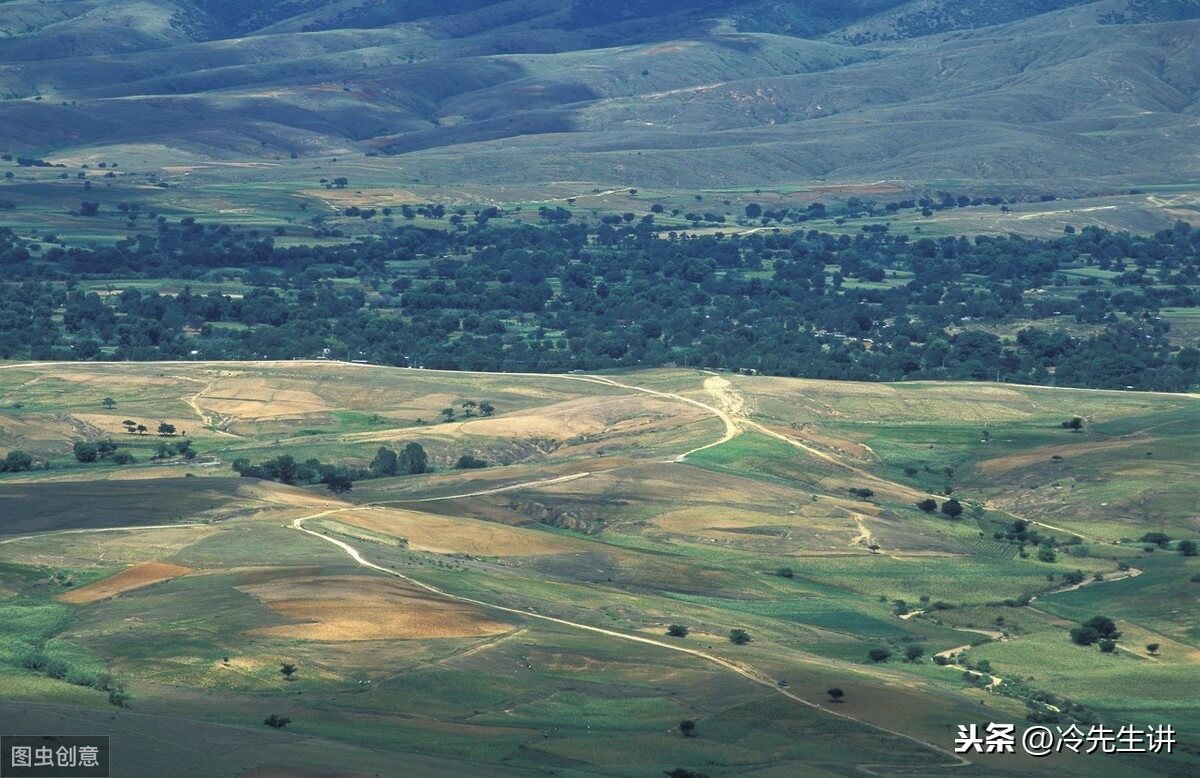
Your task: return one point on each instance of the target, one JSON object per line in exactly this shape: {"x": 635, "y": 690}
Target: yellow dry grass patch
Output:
{"x": 127, "y": 580}
{"x": 258, "y": 399}
{"x": 700, "y": 521}
{"x": 450, "y": 535}
{"x": 1014, "y": 461}
{"x": 355, "y": 608}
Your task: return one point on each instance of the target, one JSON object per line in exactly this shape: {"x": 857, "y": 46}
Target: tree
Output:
{"x": 1108, "y": 646}
{"x": 448, "y": 414}
{"x": 1152, "y": 649}
{"x": 952, "y": 508}
{"x": 414, "y": 459}
{"x": 739, "y": 637}
{"x": 109, "y": 402}
{"x": 683, "y": 772}
{"x": 929, "y": 505}
{"x": 785, "y": 572}
{"x": 879, "y": 654}
{"x": 86, "y": 452}
{"x": 386, "y": 463}
{"x": 914, "y": 653}
{"x": 1188, "y": 548}
{"x": 486, "y": 408}
{"x": 165, "y": 428}
{"x": 16, "y": 462}
{"x": 1046, "y": 554}
{"x": 337, "y": 480}
{"x": 123, "y": 458}
{"x": 469, "y": 462}
{"x": 677, "y": 631}
{"x": 275, "y": 721}
{"x": 288, "y": 670}
{"x": 141, "y": 429}
{"x": 1160, "y": 539}
{"x": 1094, "y": 630}
{"x": 130, "y": 425}
{"x": 835, "y": 694}
{"x": 687, "y": 728}
{"x": 1075, "y": 424}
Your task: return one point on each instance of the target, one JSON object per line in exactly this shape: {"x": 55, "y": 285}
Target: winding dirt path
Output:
{"x": 746, "y": 671}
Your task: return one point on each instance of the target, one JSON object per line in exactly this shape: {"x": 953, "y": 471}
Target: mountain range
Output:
{"x": 672, "y": 94}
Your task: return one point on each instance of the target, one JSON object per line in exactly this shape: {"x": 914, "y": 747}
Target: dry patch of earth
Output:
{"x": 127, "y": 580}
{"x": 448, "y": 535}
{"x": 355, "y": 608}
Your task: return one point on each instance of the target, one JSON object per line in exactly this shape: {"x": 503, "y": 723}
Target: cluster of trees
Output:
{"x": 561, "y": 296}
{"x": 1162, "y": 540}
{"x": 285, "y": 469}
{"x": 952, "y": 508}
{"x": 409, "y": 460}
{"x": 101, "y": 450}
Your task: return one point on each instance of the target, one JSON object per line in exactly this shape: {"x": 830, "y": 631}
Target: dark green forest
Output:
{"x": 1079, "y": 310}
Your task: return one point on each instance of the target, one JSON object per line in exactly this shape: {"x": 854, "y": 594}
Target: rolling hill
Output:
{"x": 686, "y": 94}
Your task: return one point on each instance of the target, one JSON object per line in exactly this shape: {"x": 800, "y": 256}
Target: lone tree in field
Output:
{"x": 879, "y": 654}
{"x": 952, "y": 508}
{"x": 1152, "y": 649}
{"x": 275, "y": 721}
{"x": 1160, "y": 539}
{"x": 929, "y": 505}
{"x": 448, "y": 413}
{"x": 687, "y": 728}
{"x": 109, "y": 402}
{"x": 1075, "y": 424}
{"x": 739, "y": 637}
{"x": 165, "y": 428}
{"x": 677, "y": 631}
{"x": 914, "y": 653}
{"x": 288, "y": 670}
{"x": 141, "y": 429}
{"x": 835, "y": 694}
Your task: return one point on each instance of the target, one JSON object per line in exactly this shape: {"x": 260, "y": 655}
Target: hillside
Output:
{"x": 514, "y": 619}
{"x": 679, "y": 95}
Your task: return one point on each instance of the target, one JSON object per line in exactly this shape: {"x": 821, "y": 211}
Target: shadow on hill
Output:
{"x": 29, "y": 508}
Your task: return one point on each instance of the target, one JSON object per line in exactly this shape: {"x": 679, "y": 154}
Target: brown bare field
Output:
{"x": 451, "y": 535}
{"x": 1015, "y": 461}
{"x": 356, "y": 608}
{"x": 258, "y": 399}
{"x": 127, "y": 580}
{"x": 586, "y": 416}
